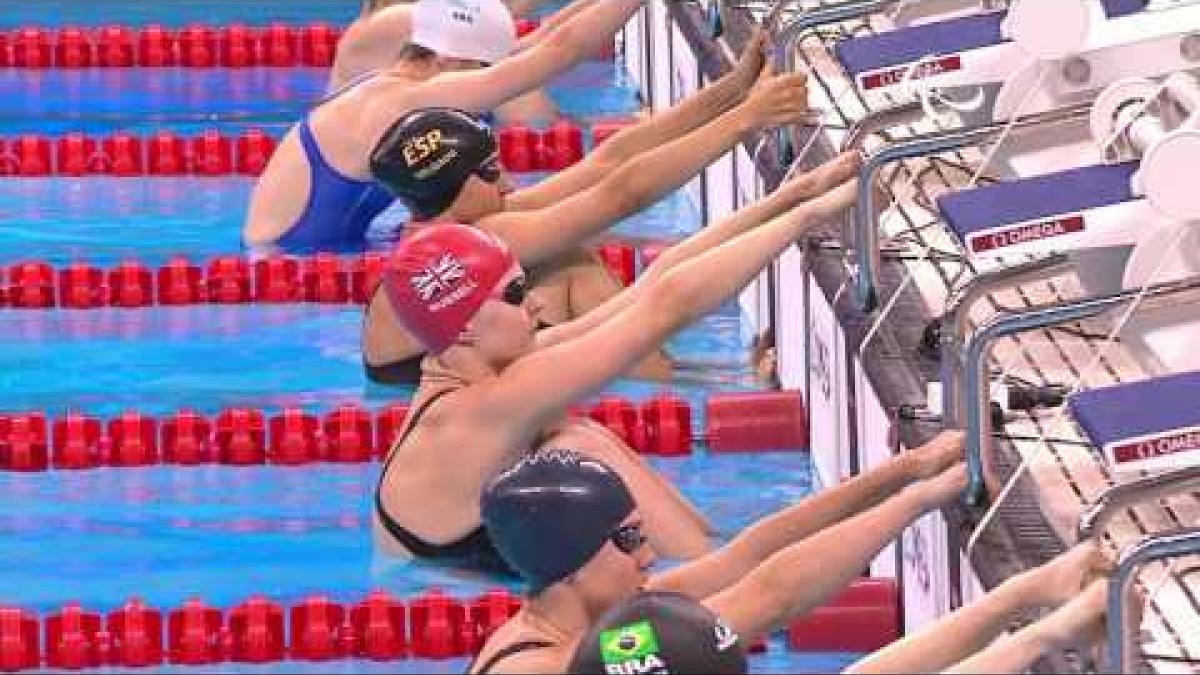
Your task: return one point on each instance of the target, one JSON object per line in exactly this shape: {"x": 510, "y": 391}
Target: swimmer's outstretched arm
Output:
{"x": 799, "y": 189}
{"x": 537, "y": 236}
{"x": 540, "y": 387}
{"x": 725, "y": 567}
{"x": 1080, "y": 622}
{"x": 695, "y": 111}
{"x": 520, "y": 8}
{"x": 479, "y": 91}
{"x": 803, "y": 576}
{"x": 961, "y": 634}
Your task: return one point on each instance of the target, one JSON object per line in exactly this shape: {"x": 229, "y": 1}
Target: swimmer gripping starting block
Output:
{"x": 1043, "y": 55}
{"x": 1147, "y": 425}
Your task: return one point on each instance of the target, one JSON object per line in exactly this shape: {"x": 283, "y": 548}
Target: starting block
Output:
{"x": 1035, "y": 57}
{"x": 1148, "y": 425}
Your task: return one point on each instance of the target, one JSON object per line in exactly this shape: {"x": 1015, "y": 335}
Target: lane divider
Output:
{"x": 196, "y": 45}
{"x": 323, "y": 278}
{"x": 661, "y": 425}
{"x": 212, "y": 153}
{"x": 380, "y": 627}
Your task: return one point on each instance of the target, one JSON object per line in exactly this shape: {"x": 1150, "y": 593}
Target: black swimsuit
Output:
{"x": 474, "y": 550}
{"x": 511, "y": 650}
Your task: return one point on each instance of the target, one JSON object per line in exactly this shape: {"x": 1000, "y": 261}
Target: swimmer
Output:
{"x": 497, "y": 388}
{"x": 670, "y": 632}
{"x": 547, "y": 225}
{"x": 572, "y": 530}
{"x": 376, "y": 40}
{"x": 317, "y": 192}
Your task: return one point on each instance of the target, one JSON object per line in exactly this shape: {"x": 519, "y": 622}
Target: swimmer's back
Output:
{"x": 344, "y": 128}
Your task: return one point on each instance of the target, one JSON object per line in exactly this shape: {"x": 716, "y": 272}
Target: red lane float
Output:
{"x": 380, "y": 627}
{"x": 667, "y": 419}
{"x": 862, "y": 618}
{"x": 115, "y": 47}
{"x": 239, "y": 46}
{"x": 32, "y": 155}
{"x": 73, "y": 48}
{"x": 157, "y": 47}
{"x": 130, "y": 285}
{"x": 620, "y": 260}
{"x": 196, "y": 45}
{"x": 194, "y": 634}
{"x": 20, "y": 643}
{"x": 751, "y": 421}
{"x": 31, "y": 48}
{"x": 258, "y": 630}
{"x": 661, "y": 425}
{"x": 213, "y": 153}
{"x": 323, "y": 278}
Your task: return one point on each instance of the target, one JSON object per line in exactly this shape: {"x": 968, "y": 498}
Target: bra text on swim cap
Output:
{"x": 421, "y": 147}
{"x": 632, "y": 650}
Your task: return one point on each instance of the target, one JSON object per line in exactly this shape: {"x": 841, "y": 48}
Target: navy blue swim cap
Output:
{"x": 658, "y": 632}
{"x": 427, "y": 156}
{"x": 552, "y": 512}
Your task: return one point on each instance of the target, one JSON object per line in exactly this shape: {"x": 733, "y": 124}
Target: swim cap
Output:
{"x": 427, "y": 155}
{"x": 438, "y": 277}
{"x": 478, "y": 30}
{"x": 552, "y": 512}
{"x": 659, "y": 633}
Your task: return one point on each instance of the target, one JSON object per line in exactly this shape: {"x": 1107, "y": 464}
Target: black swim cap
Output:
{"x": 659, "y": 633}
{"x": 427, "y": 155}
{"x": 552, "y": 512}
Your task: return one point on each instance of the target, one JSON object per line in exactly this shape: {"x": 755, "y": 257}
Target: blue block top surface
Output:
{"x": 1052, "y": 194}
{"x": 906, "y": 45}
{"x": 1129, "y": 410}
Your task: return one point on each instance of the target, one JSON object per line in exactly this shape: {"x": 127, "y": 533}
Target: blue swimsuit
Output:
{"x": 339, "y": 209}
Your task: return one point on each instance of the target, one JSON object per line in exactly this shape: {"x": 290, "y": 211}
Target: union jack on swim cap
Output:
{"x": 439, "y": 277}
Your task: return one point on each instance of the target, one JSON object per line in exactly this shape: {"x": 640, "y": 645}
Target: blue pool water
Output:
{"x": 144, "y": 100}
{"x": 223, "y": 533}
{"x": 175, "y": 12}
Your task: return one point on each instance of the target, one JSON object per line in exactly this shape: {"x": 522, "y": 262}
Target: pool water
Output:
{"x": 224, "y": 533}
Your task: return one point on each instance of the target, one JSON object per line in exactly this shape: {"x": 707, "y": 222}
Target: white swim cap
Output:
{"x": 480, "y": 30}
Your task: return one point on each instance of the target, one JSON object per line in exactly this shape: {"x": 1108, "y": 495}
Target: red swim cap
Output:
{"x": 438, "y": 277}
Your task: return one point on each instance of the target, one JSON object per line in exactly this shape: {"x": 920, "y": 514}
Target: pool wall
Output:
{"x": 849, "y": 392}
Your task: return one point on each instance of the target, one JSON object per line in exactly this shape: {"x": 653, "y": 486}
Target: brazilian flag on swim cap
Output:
{"x": 627, "y": 643}
{"x": 657, "y": 632}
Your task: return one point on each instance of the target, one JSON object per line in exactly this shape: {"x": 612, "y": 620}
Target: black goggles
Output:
{"x": 490, "y": 170}
{"x": 628, "y": 538}
{"x": 515, "y": 292}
